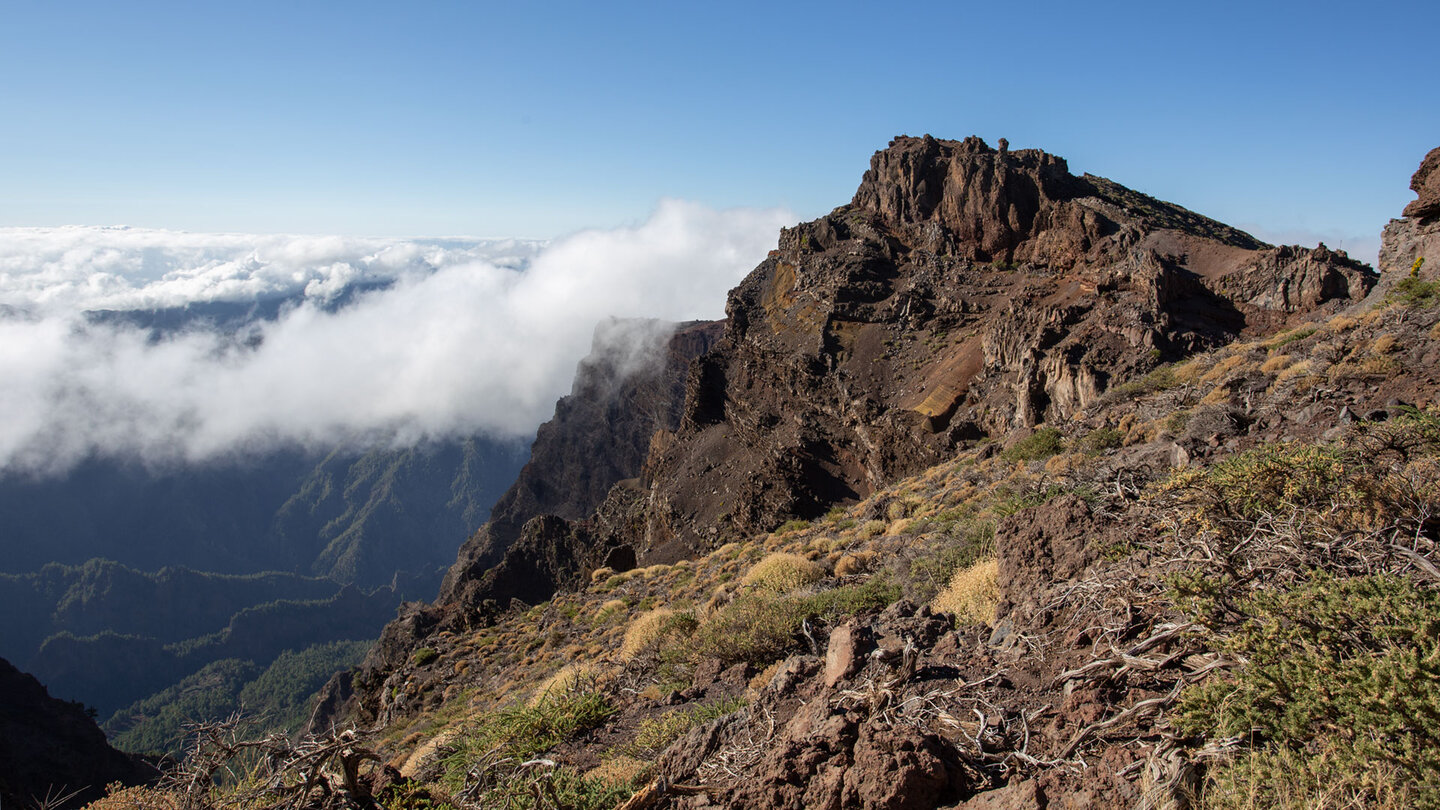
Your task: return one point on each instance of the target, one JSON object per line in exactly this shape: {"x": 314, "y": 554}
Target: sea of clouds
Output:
{"x": 452, "y": 337}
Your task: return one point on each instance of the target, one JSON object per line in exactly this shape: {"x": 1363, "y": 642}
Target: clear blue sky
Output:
{"x": 536, "y": 119}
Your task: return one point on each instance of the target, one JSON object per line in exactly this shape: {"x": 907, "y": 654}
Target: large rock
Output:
{"x": 1426, "y": 183}
{"x": 1417, "y": 235}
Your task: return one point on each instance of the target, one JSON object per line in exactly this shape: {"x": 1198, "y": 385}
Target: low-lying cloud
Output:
{"x": 468, "y": 337}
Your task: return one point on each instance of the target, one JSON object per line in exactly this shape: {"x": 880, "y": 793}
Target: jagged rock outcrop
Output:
{"x": 1417, "y": 235}
{"x": 1426, "y": 183}
{"x": 964, "y": 292}
{"x": 52, "y": 748}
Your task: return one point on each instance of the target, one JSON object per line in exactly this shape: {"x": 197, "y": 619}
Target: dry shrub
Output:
{"x": 119, "y": 797}
{"x": 1276, "y": 364}
{"x": 621, "y": 770}
{"x": 1217, "y": 395}
{"x": 652, "y": 629}
{"x": 569, "y": 678}
{"x": 601, "y": 574}
{"x": 610, "y": 610}
{"x": 1188, "y": 372}
{"x": 872, "y": 528}
{"x": 763, "y": 678}
{"x": 782, "y": 573}
{"x": 852, "y": 564}
{"x": 1296, "y": 370}
{"x": 1225, "y": 366}
{"x": 1340, "y": 323}
{"x": 1383, "y": 344}
{"x": 973, "y": 593}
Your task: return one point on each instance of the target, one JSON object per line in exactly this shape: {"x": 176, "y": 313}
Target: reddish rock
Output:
{"x": 1025, "y": 795}
{"x": 842, "y": 656}
{"x": 1426, "y": 183}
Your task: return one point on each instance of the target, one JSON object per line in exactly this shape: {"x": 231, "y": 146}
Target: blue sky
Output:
{"x": 538, "y": 119}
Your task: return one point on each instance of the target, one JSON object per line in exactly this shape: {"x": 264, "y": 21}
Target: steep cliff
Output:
{"x": 628, "y": 387}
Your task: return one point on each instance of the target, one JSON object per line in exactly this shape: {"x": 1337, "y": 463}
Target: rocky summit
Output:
{"x": 998, "y": 487}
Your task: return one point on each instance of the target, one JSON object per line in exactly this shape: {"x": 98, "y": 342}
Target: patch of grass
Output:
{"x": 963, "y": 543}
{"x": 423, "y": 656}
{"x": 1159, "y": 379}
{"x": 523, "y": 732}
{"x": 655, "y": 734}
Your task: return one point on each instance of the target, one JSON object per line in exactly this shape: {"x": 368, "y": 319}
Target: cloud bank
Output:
{"x": 468, "y": 337}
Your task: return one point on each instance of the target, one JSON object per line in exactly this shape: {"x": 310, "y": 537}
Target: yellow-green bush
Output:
{"x": 973, "y": 593}
{"x": 761, "y": 627}
{"x": 1042, "y": 444}
{"x": 783, "y": 572}
{"x": 651, "y": 629}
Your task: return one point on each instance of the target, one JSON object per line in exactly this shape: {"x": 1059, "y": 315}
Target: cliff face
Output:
{"x": 965, "y": 291}
{"x": 584, "y": 462}
{"x": 1416, "y": 235}
{"x": 49, "y": 748}
{"x": 630, "y": 386}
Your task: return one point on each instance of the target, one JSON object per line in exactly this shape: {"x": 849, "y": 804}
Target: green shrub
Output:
{"x": 759, "y": 628}
{"x": 423, "y": 656}
{"x": 1294, "y": 335}
{"x": 1098, "y": 441}
{"x": 1412, "y": 292}
{"x": 1351, "y": 666}
{"x": 1042, "y": 444}
{"x": 1176, "y": 422}
{"x": 523, "y": 732}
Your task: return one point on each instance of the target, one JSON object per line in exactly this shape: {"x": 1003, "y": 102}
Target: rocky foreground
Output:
{"x": 1001, "y": 488}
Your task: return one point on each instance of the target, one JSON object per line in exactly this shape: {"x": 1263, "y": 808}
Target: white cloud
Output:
{"x": 461, "y": 342}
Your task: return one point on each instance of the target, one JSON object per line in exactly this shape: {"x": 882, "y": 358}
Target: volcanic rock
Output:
{"x": 1426, "y": 183}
